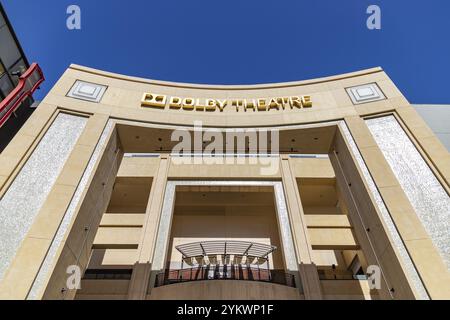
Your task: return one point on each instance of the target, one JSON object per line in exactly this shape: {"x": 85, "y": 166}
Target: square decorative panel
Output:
{"x": 365, "y": 93}
{"x": 87, "y": 91}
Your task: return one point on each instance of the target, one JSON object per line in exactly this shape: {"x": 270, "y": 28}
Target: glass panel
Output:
{"x": 9, "y": 53}
{"x": 5, "y": 85}
{"x": 2, "y": 20}
{"x": 19, "y": 67}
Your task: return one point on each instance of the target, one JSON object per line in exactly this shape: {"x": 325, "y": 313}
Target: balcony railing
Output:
{"x": 108, "y": 274}
{"x": 28, "y": 83}
{"x": 233, "y": 272}
{"x": 340, "y": 275}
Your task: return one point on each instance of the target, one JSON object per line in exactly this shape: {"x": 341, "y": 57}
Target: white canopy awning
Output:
{"x": 225, "y": 247}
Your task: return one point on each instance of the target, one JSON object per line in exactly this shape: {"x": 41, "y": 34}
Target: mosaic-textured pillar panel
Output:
{"x": 27, "y": 193}
{"x": 38, "y": 284}
{"x": 427, "y": 196}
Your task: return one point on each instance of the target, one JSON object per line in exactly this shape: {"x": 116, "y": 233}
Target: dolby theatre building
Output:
{"x": 125, "y": 188}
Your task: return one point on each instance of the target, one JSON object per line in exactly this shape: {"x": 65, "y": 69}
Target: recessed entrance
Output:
{"x": 225, "y": 232}
{"x": 242, "y": 214}
{"x": 192, "y": 203}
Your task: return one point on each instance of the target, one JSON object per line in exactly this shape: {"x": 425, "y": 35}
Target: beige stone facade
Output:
{"x": 108, "y": 209}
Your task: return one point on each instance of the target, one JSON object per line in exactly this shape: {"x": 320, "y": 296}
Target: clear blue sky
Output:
{"x": 242, "y": 41}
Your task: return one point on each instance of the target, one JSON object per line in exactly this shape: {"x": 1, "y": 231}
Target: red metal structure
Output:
{"x": 28, "y": 83}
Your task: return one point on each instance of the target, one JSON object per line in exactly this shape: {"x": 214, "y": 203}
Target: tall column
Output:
{"x": 307, "y": 270}
{"x": 139, "y": 284}
{"x": 310, "y": 281}
{"x": 427, "y": 261}
{"x": 28, "y": 264}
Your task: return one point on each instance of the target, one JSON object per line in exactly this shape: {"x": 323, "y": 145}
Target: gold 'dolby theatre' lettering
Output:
{"x": 161, "y": 101}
